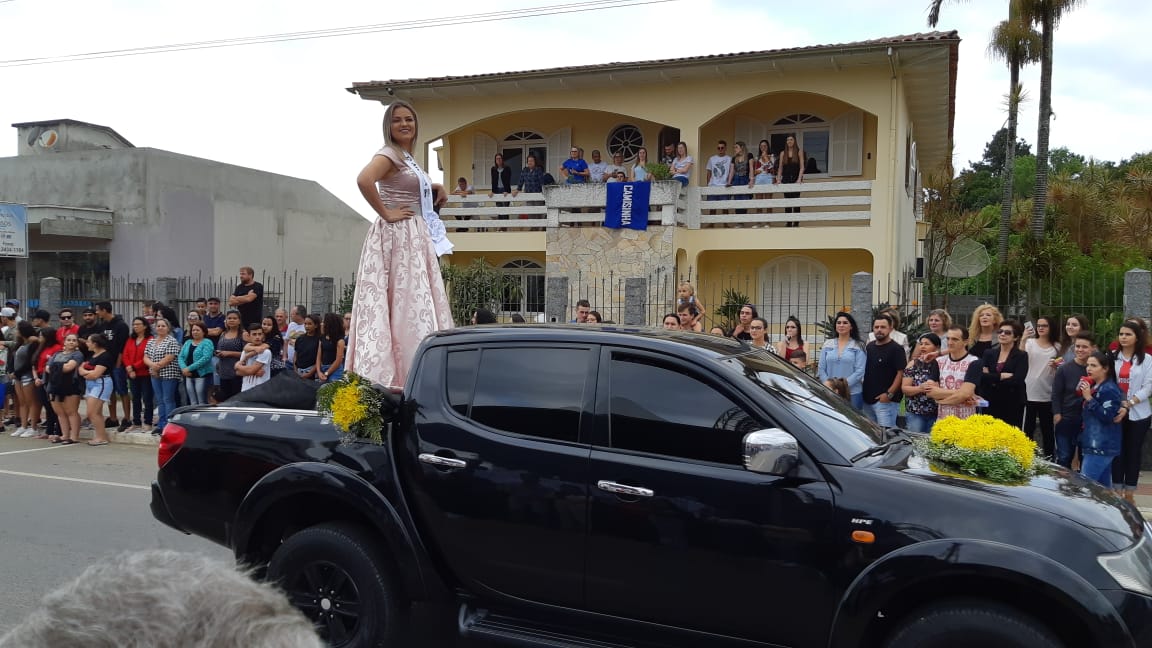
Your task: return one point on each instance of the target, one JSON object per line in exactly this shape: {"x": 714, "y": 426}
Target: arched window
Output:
{"x": 793, "y": 285}
{"x": 812, "y": 136}
{"x": 529, "y": 276}
{"x": 516, "y": 147}
{"x": 626, "y": 140}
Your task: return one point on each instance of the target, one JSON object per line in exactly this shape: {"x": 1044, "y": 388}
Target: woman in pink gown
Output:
{"x": 400, "y": 296}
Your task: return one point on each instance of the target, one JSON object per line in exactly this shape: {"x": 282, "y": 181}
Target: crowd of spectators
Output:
{"x": 143, "y": 370}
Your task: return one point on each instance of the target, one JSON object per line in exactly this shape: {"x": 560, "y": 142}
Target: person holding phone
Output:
{"x": 1067, "y": 401}
{"x": 1103, "y": 409}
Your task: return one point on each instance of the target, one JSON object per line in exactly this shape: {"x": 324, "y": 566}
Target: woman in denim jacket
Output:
{"x": 1103, "y": 404}
{"x": 843, "y": 357}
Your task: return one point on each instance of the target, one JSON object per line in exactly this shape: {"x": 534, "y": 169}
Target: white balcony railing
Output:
{"x": 820, "y": 203}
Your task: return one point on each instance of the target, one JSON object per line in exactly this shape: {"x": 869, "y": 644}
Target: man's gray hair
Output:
{"x": 163, "y": 599}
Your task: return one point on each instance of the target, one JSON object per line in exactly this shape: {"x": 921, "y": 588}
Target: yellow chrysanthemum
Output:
{"x": 985, "y": 433}
{"x": 347, "y": 408}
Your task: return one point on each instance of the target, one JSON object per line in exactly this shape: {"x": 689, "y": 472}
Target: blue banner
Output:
{"x": 627, "y": 205}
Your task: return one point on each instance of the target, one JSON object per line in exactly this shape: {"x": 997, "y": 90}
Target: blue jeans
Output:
{"x": 857, "y": 401}
{"x": 1097, "y": 467}
{"x": 683, "y": 180}
{"x": 197, "y": 389}
{"x": 1067, "y": 433}
{"x": 882, "y": 413}
{"x": 165, "y": 390}
{"x": 335, "y": 375}
{"x": 919, "y": 422}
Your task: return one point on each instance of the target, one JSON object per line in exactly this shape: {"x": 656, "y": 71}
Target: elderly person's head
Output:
{"x": 163, "y": 598}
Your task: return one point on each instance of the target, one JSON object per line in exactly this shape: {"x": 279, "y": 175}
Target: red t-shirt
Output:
{"x": 45, "y": 356}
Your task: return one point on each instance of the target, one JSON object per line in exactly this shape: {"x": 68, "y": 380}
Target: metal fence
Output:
{"x": 128, "y": 294}
{"x": 1098, "y": 297}
{"x": 776, "y": 295}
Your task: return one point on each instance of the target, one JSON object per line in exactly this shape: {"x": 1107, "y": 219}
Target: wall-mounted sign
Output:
{"x": 13, "y": 230}
{"x": 48, "y": 138}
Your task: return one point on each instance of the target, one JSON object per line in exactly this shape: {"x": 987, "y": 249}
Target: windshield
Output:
{"x": 830, "y": 416}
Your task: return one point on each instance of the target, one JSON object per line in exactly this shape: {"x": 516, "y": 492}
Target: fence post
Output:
{"x": 556, "y": 299}
{"x": 51, "y": 290}
{"x": 323, "y": 295}
{"x": 635, "y": 301}
{"x": 862, "y": 301}
{"x": 1138, "y": 293}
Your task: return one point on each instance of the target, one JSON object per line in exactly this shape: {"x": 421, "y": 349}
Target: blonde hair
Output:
{"x": 974, "y": 325}
{"x": 691, "y": 288}
{"x": 945, "y": 318}
{"x": 388, "y": 125}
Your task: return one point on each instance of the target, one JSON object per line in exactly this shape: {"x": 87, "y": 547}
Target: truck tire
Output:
{"x": 335, "y": 574}
{"x": 963, "y": 624}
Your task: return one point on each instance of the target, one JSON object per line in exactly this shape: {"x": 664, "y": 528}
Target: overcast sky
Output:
{"x": 282, "y": 107}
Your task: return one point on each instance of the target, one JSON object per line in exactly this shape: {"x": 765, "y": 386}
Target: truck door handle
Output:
{"x": 624, "y": 489}
{"x": 442, "y": 462}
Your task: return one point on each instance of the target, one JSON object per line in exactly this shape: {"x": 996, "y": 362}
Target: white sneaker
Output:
{"x": 28, "y": 432}
{"x": 17, "y": 432}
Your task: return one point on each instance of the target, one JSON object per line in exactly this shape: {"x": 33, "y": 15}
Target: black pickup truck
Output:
{"x": 581, "y": 487}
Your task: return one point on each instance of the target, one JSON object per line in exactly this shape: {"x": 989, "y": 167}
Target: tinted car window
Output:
{"x": 659, "y": 409}
{"x": 532, "y": 391}
{"x": 817, "y": 406}
{"x": 461, "y": 379}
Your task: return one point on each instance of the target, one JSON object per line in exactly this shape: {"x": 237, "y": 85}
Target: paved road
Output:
{"x": 61, "y": 508}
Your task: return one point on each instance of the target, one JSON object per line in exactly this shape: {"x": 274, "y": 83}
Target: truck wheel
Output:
{"x": 336, "y": 576}
{"x": 962, "y": 624}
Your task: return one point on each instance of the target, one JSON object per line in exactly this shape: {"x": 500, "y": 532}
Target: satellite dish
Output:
{"x": 968, "y": 259}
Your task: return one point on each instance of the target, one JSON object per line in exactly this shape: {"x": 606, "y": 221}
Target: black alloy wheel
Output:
{"x": 336, "y": 576}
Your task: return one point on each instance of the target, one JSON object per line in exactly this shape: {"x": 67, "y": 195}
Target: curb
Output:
{"x": 135, "y": 438}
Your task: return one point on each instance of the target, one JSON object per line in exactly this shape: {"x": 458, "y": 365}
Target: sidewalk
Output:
{"x": 1144, "y": 494}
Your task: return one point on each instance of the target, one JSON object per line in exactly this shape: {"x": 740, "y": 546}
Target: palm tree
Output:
{"x": 1045, "y": 13}
{"x": 1015, "y": 42}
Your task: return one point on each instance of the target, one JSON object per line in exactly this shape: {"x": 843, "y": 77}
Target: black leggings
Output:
{"x": 1040, "y": 412}
{"x": 143, "y": 401}
{"x": 1126, "y": 467}
{"x": 51, "y": 422}
{"x": 229, "y": 387}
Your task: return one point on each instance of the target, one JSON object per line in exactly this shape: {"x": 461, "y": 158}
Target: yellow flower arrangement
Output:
{"x": 984, "y": 446}
{"x": 355, "y": 407}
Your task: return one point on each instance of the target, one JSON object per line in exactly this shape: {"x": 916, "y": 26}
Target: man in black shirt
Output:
{"x": 114, "y": 328}
{"x": 1067, "y": 402}
{"x": 883, "y": 373}
{"x": 248, "y": 298}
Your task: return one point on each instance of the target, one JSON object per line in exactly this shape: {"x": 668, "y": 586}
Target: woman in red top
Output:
{"x": 139, "y": 380}
{"x": 49, "y": 345}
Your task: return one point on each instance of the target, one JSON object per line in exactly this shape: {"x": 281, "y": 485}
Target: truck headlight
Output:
{"x": 1132, "y": 568}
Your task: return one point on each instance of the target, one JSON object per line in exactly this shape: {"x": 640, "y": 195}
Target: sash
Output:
{"x": 436, "y": 228}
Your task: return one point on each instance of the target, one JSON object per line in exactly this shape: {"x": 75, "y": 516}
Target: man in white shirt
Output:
{"x": 254, "y": 366}
{"x": 720, "y": 169}
{"x": 616, "y": 167}
{"x": 597, "y": 168}
{"x": 295, "y": 329}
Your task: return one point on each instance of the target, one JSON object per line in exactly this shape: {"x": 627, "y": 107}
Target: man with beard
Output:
{"x": 114, "y": 328}
{"x": 883, "y": 374}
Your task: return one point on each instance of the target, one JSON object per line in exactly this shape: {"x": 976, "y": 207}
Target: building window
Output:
{"x": 625, "y": 140}
{"x": 515, "y": 149}
{"x": 529, "y": 277}
{"x": 812, "y": 136}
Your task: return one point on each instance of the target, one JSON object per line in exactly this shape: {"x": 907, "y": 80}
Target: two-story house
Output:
{"x": 868, "y": 116}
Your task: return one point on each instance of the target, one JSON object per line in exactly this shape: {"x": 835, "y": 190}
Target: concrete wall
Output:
{"x": 177, "y": 215}
{"x": 70, "y": 137}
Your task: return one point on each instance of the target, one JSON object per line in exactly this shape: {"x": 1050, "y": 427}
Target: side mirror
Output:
{"x": 770, "y": 452}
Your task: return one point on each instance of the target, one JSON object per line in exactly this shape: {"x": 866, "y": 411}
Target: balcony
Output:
{"x": 823, "y": 204}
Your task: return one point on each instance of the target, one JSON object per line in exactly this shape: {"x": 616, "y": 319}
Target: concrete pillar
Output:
{"x": 167, "y": 291}
{"x": 862, "y": 301}
{"x": 635, "y": 301}
{"x": 1138, "y": 294}
{"x": 556, "y": 299}
{"x": 51, "y": 291}
{"x": 323, "y": 295}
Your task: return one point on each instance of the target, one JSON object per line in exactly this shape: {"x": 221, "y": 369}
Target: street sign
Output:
{"x": 13, "y": 230}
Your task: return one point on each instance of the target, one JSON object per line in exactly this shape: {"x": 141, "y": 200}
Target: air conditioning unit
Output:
{"x": 920, "y": 271}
